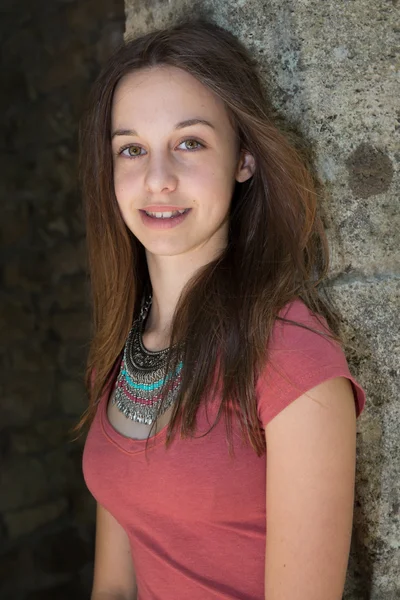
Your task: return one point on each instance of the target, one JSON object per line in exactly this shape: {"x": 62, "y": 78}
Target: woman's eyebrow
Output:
{"x": 180, "y": 125}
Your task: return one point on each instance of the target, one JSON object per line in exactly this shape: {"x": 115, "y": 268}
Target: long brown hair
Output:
{"x": 276, "y": 251}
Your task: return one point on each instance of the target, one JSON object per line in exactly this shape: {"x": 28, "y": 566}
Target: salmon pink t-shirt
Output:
{"x": 196, "y": 517}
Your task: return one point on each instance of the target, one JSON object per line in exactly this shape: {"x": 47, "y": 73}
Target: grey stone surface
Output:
{"x": 332, "y": 70}
{"x": 370, "y": 309}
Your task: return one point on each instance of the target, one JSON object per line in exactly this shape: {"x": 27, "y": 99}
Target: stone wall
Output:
{"x": 51, "y": 52}
{"x": 333, "y": 70}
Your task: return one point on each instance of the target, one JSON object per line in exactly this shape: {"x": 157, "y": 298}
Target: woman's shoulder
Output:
{"x": 296, "y": 310}
{"x": 298, "y": 328}
{"x": 301, "y": 354}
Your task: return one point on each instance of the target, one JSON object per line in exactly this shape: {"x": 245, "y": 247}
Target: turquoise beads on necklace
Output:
{"x": 142, "y": 375}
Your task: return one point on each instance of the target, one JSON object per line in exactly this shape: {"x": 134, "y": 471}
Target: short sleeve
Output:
{"x": 299, "y": 360}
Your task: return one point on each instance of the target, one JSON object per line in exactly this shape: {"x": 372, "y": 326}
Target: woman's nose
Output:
{"x": 160, "y": 174}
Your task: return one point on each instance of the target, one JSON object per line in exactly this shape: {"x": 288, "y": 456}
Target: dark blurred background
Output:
{"x": 51, "y": 51}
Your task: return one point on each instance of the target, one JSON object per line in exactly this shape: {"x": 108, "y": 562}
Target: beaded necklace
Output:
{"x": 141, "y": 376}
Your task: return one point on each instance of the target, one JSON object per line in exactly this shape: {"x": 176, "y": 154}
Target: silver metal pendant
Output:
{"x": 141, "y": 376}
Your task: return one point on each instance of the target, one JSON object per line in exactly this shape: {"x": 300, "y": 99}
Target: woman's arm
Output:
{"x": 311, "y": 457}
{"x": 114, "y": 574}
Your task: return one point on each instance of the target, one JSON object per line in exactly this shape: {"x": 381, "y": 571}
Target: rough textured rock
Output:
{"x": 332, "y": 72}
{"x": 51, "y": 53}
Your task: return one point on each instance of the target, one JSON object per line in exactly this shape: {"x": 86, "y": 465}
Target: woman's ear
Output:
{"x": 246, "y": 166}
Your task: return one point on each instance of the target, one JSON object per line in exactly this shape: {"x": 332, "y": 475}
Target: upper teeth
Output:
{"x": 165, "y": 215}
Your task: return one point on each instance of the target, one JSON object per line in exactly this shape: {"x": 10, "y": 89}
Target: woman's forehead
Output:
{"x": 168, "y": 91}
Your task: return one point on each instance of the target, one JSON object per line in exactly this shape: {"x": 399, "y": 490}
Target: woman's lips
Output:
{"x": 169, "y": 223}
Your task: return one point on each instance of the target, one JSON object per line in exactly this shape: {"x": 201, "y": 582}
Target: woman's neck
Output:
{"x": 168, "y": 276}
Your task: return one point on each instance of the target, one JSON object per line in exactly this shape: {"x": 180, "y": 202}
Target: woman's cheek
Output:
{"x": 123, "y": 186}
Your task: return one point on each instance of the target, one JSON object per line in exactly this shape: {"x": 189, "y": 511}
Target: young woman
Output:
{"x": 222, "y": 441}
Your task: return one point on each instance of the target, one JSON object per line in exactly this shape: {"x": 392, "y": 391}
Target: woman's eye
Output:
{"x": 190, "y": 141}
{"x": 130, "y": 151}
{"x": 135, "y": 151}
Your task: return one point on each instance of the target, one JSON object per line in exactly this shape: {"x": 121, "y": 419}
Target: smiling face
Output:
{"x": 161, "y": 166}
